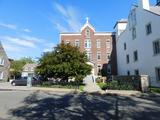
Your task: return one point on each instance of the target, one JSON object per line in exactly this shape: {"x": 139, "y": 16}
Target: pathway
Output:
{"x": 90, "y": 85}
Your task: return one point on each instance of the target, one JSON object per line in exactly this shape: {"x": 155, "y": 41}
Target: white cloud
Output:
{"x": 60, "y": 27}
{"x": 9, "y": 26}
{"x": 71, "y": 17}
{"x": 26, "y": 30}
{"x": 11, "y": 47}
{"x": 20, "y": 41}
{"x": 49, "y": 47}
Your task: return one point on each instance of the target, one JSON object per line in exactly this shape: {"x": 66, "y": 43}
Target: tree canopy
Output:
{"x": 65, "y": 61}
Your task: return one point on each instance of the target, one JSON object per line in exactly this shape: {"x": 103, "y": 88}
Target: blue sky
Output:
{"x": 30, "y": 27}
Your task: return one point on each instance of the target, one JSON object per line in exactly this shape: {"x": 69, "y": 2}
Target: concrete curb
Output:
{"x": 122, "y": 92}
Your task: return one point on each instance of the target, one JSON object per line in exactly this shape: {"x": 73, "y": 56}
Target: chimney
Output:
{"x": 144, "y": 4}
{"x": 158, "y": 3}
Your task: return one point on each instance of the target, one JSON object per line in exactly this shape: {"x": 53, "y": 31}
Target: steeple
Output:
{"x": 87, "y": 20}
{"x": 87, "y": 24}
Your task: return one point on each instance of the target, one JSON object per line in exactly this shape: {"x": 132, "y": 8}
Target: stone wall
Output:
{"x": 141, "y": 82}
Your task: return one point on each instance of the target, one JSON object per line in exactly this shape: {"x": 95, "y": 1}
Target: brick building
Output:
{"x": 100, "y": 47}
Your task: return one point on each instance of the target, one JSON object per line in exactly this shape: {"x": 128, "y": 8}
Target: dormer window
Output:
{"x": 87, "y": 33}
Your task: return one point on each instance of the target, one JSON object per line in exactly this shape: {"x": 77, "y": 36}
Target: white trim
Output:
{"x": 68, "y": 34}
{"x": 98, "y": 33}
{"x": 87, "y": 25}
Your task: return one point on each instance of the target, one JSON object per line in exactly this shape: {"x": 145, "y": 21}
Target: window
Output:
{"x": 77, "y": 43}
{"x": 108, "y": 45}
{"x": 132, "y": 19}
{"x": 135, "y": 55}
{"x": 148, "y": 29}
{"x": 1, "y": 61}
{"x": 87, "y": 43}
{"x": 99, "y": 69}
{"x": 89, "y": 56}
{"x": 108, "y": 56}
{"x": 127, "y": 58}
{"x": 158, "y": 74}
{"x": 134, "y": 33}
{"x": 109, "y": 69}
{"x": 136, "y": 72}
{"x": 156, "y": 47}
{"x": 98, "y": 43}
{"x": 1, "y": 75}
{"x": 87, "y": 33}
{"x": 98, "y": 56}
{"x": 125, "y": 46}
{"x": 128, "y": 72}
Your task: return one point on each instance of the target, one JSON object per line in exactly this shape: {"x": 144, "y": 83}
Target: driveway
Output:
{"x": 38, "y": 105}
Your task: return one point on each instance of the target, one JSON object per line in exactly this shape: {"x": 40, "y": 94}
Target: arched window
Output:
{"x": 87, "y": 33}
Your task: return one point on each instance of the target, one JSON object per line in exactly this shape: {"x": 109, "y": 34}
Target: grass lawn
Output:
{"x": 154, "y": 90}
{"x": 62, "y": 85}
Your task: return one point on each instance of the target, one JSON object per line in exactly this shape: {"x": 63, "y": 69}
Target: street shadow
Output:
{"x": 83, "y": 106}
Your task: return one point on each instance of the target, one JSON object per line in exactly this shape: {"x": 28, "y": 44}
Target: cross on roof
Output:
{"x": 87, "y": 20}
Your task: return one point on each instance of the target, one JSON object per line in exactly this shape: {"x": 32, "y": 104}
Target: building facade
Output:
{"x": 4, "y": 65}
{"x": 100, "y": 47}
{"x": 29, "y": 69}
{"x": 138, "y": 42}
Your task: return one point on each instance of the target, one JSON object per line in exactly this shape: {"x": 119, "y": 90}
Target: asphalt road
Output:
{"x": 28, "y": 105}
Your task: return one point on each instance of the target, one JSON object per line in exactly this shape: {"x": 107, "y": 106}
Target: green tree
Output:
{"x": 64, "y": 62}
{"x": 17, "y": 66}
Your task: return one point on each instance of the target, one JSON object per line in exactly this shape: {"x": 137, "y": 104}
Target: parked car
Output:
{"x": 23, "y": 81}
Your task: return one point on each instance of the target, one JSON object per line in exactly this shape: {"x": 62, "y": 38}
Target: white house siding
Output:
{"x": 147, "y": 61}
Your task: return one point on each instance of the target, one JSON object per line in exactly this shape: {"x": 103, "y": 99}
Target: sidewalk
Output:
{"x": 90, "y": 86}
{"x": 8, "y": 87}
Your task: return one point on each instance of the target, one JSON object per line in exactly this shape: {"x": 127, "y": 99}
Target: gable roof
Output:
{"x": 87, "y": 24}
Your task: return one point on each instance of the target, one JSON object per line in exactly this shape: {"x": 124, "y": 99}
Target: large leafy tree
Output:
{"x": 65, "y": 61}
{"x": 17, "y": 66}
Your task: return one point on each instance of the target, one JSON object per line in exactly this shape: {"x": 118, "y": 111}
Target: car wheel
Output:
{"x": 13, "y": 83}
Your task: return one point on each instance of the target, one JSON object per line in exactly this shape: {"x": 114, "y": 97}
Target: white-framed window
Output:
{"x": 98, "y": 43}
{"x": 133, "y": 33}
{"x": 99, "y": 67}
{"x": 1, "y": 61}
{"x": 156, "y": 47}
{"x": 98, "y": 55}
{"x": 157, "y": 69}
{"x": 108, "y": 56}
{"x": 89, "y": 56}
{"x": 148, "y": 29}
{"x": 1, "y": 75}
{"x": 108, "y": 44}
{"x": 87, "y": 43}
{"x": 87, "y": 33}
{"x": 77, "y": 44}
